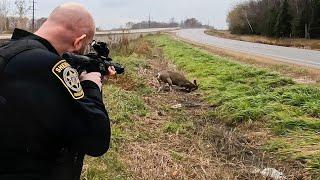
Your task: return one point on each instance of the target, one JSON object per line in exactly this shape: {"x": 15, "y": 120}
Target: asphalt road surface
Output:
{"x": 286, "y": 54}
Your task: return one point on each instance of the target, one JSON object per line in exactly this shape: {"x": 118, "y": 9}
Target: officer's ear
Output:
{"x": 78, "y": 43}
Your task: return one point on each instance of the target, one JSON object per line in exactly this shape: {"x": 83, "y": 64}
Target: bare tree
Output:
{"x": 192, "y": 23}
{"x": 173, "y": 23}
{"x": 129, "y": 25}
{"x": 4, "y": 10}
{"x": 246, "y": 15}
{"x": 22, "y": 10}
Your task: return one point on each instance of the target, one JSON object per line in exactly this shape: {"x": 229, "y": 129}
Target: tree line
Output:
{"x": 14, "y": 14}
{"x": 188, "y": 23}
{"x": 276, "y": 18}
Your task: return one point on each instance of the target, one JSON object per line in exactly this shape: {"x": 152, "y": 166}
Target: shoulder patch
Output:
{"x": 69, "y": 77}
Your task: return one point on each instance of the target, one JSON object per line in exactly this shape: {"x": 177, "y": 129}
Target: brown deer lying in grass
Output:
{"x": 173, "y": 78}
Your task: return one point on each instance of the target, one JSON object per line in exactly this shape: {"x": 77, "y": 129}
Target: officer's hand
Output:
{"x": 93, "y": 76}
{"x": 111, "y": 72}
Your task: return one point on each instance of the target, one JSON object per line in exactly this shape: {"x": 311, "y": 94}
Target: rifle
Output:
{"x": 95, "y": 61}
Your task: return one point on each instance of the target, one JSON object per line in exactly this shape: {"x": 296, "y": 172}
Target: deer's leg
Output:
{"x": 160, "y": 82}
{"x": 170, "y": 83}
{"x": 161, "y": 86}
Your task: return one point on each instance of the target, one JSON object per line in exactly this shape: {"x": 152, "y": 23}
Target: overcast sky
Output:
{"x": 114, "y": 13}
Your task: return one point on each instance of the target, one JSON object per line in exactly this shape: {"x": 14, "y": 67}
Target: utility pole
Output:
{"x": 32, "y": 8}
{"x": 33, "y": 15}
{"x": 149, "y": 21}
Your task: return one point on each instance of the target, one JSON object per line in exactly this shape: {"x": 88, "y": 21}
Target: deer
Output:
{"x": 174, "y": 78}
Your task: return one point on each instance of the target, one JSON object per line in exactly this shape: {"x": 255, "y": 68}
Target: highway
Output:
{"x": 305, "y": 57}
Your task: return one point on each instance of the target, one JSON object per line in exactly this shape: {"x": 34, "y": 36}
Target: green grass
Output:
{"x": 243, "y": 94}
{"x": 176, "y": 156}
{"x": 122, "y": 105}
{"x": 177, "y": 127}
{"x": 106, "y": 167}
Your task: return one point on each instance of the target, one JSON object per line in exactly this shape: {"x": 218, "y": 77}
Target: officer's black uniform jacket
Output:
{"x": 47, "y": 124}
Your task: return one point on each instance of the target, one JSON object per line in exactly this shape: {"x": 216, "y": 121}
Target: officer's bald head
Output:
{"x": 69, "y": 27}
{"x": 74, "y": 17}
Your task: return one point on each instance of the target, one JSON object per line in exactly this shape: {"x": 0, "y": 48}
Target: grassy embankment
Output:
{"x": 287, "y": 42}
{"x": 238, "y": 94}
{"x": 245, "y": 94}
{"x": 123, "y": 98}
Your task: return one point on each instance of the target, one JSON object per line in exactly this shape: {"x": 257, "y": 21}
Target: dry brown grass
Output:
{"x": 287, "y": 42}
{"x": 142, "y": 48}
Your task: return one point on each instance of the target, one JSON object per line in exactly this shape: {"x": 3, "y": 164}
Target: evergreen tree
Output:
{"x": 271, "y": 21}
{"x": 276, "y": 18}
{"x": 298, "y": 26}
{"x": 315, "y": 24}
{"x": 283, "y": 24}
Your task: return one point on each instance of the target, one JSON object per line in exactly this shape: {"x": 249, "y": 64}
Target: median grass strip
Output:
{"x": 246, "y": 94}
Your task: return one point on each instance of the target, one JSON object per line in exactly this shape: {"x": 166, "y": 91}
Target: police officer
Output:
{"x": 50, "y": 118}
